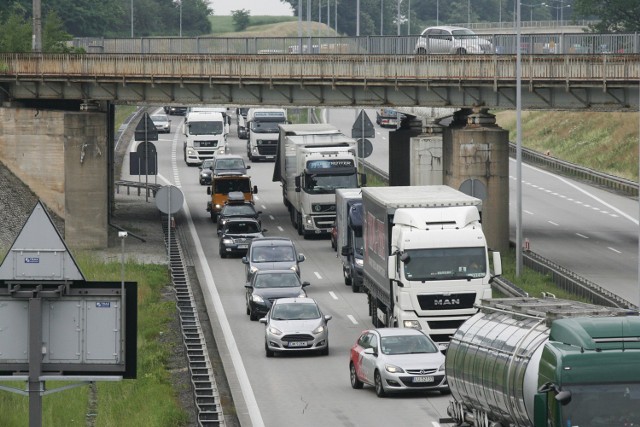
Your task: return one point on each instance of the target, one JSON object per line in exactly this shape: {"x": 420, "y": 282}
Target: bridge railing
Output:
{"x": 502, "y": 44}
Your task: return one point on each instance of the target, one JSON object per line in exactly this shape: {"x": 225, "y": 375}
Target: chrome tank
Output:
{"x": 492, "y": 365}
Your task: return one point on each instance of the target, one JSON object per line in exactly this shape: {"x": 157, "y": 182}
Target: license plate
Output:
{"x": 297, "y": 344}
{"x": 243, "y": 246}
{"x": 271, "y": 157}
{"x": 422, "y": 379}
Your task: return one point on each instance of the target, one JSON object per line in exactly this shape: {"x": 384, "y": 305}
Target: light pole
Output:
{"x": 409, "y": 18}
{"x": 518, "y": 143}
{"x": 122, "y": 235}
{"x": 468, "y": 13}
{"x": 131, "y": 18}
{"x": 180, "y": 4}
{"x": 358, "y": 18}
{"x": 437, "y": 12}
{"x": 398, "y": 17}
{"x": 531, "y": 6}
{"x": 381, "y": 15}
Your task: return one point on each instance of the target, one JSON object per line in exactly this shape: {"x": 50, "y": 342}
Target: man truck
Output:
{"x": 545, "y": 362}
{"x": 222, "y": 185}
{"x": 312, "y": 162}
{"x": 263, "y": 132}
{"x": 426, "y": 261}
{"x": 349, "y": 241}
{"x": 204, "y": 136}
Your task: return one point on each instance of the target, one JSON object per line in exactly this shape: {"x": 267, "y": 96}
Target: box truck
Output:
{"x": 349, "y": 240}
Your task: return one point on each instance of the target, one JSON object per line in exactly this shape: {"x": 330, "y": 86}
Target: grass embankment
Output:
{"x": 269, "y": 26}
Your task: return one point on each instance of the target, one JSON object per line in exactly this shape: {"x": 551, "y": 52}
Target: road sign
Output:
{"x": 146, "y": 129}
{"x": 144, "y": 161}
{"x": 169, "y": 199}
{"x": 362, "y": 127}
{"x": 365, "y": 148}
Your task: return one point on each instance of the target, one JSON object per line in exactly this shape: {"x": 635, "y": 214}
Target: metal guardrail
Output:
{"x": 150, "y": 189}
{"x": 612, "y": 182}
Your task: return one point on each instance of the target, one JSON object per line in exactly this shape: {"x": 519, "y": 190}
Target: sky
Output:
{"x": 255, "y": 7}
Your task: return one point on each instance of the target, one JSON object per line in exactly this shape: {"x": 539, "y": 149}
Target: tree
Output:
{"x": 54, "y": 37}
{"x": 16, "y": 34}
{"x": 241, "y": 19}
{"x": 616, "y": 16}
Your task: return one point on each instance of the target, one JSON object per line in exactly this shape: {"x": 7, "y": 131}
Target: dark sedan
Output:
{"x": 266, "y": 286}
{"x": 236, "y": 235}
{"x": 237, "y": 210}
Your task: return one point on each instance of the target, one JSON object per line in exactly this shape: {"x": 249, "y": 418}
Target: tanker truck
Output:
{"x": 426, "y": 260}
{"x": 545, "y": 362}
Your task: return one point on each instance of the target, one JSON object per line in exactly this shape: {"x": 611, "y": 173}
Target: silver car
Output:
{"x": 397, "y": 359}
{"x": 452, "y": 40}
{"x": 162, "y": 123}
{"x": 296, "y": 324}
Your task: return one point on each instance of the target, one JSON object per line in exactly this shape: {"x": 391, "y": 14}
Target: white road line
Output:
{"x": 333, "y": 295}
{"x": 527, "y": 212}
{"x": 264, "y": 207}
{"x": 317, "y": 275}
{"x": 614, "y": 250}
{"x": 353, "y": 319}
{"x": 272, "y": 218}
{"x": 435, "y": 424}
{"x": 582, "y": 235}
{"x": 552, "y": 223}
{"x": 280, "y": 228}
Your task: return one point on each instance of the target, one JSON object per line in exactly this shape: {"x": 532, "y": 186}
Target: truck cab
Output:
{"x": 205, "y": 135}
{"x": 263, "y": 132}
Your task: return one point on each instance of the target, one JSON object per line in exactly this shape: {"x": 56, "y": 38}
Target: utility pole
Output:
{"x": 36, "y": 42}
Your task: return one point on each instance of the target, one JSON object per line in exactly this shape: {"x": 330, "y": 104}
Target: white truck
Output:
{"x": 349, "y": 240}
{"x": 263, "y": 133}
{"x": 312, "y": 162}
{"x": 426, "y": 260}
{"x": 205, "y": 134}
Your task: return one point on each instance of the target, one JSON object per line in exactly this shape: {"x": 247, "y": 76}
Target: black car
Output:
{"x": 272, "y": 253}
{"x": 237, "y": 210}
{"x": 206, "y": 170}
{"x": 266, "y": 286}
{"x": 177, "y": 111}
{"x": 236, "y": 234}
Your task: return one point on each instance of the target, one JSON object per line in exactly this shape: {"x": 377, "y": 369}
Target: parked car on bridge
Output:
{"x": 453, "y": 40}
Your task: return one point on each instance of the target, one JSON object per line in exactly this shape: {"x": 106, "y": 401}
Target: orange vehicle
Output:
{"x": 222, "y": 185}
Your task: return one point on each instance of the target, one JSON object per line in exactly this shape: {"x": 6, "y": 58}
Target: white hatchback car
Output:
{"x": 452, "y": 40}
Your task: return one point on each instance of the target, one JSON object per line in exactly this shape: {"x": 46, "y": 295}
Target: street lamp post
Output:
{"x": 131, "y": 18}
{"x": 381, "y": 15}
{"x": 531, "y": 6}
{"x": 180, "y": 18}
{"x": 437, "y": 12}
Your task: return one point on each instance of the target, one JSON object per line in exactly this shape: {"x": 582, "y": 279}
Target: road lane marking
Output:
{"x": 581, "y": 235}
{"x": 333, "y": 295}
{"x": 280, "y": 228}
{"x": 264, "y": 207}
{"x": 614, "y": 250}
{"x": 353, "y": 319}
{"x": 552, "y": 223}
{"x": 317, "y": 275}
{"x": 272, "y": 218}
{"x": 527, "y": 212}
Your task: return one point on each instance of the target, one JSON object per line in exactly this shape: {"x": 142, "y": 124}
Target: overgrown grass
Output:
{"x": 607, "y": 142}
{"x": 121, "y": 114}
{"x": 148, "y": 400}
{"x": 224, "y": 24}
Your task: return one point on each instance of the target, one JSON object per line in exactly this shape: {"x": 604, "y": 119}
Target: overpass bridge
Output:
{"x": 605, "y": 82}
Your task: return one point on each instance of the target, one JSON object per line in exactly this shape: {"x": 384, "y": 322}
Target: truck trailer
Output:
{"x": 313, "y": 161}
{"x": 349, "y": 240}
{"x": 543, "y": 362}
{"x": 426, "y": 261}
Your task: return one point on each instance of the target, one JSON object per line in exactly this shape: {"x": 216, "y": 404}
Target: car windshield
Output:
{"x": 272, "y": 254}
{"x": 276, "y": 280}
{"x": 238, "y": 210}
{"x": 295, "y": 311}
{"x": 229, "y": 164}
{"x": 407, "y": 344}
{"x": 464, "y": 34}
{"x": 159, "y": 118}
{"x": 243, "y": 227}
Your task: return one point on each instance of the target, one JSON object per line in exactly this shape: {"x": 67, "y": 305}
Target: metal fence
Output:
{"x": 501, "y": 44}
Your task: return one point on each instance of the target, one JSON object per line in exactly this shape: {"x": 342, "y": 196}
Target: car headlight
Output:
{"x": 320, "y": 329}
{"x": 256, "y": 298}
{"x": 190, "y": 152}
{"x": 393, "y": 369}
{"x": 227, "y": 241}
{"x": 441, "y": 368}
{"x": 218, "y": 206}
{"x": 359, "y": 262}
{"x": 274, "y": 331}
{"x": 413, "y": 324}
{"x": 252, "y": 270}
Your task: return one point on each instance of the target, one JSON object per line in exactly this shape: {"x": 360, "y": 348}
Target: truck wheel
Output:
{"x": 355, "y": 288}
{"x": 377, "y": 379}
{"x": 214, "y": 216}
{"x": 299, "y": 224}
{"x": 355, "y": 382}
{"x": 252, "y": 316}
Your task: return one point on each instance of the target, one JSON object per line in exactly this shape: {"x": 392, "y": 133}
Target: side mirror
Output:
{"x": 370, "y": 351}
{"x": 263, "y": 320}
{"x": 563, "y": 397}
{"x": 264, "y": 230}
{"x": 327, "y": 317}
{"x": 248, "y": 167}
{"x": 248, "y": 286}
{"x": 305, "y": 284}
{"x": 245, "y": 260}
{"x": 497, "y": 264}
{"x": 219, "y": 233}
{"x": 301, "y": 257}
{"x": 255, "y": 189}
{"x": 259, "y": 213}
{"x": 297, "y": 182}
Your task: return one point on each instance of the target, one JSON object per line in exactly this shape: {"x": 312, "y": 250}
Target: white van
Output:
{"x": 204, "y": 136}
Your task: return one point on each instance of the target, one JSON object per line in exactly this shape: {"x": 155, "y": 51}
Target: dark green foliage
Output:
{"x": 241, "y": 19}
{"x": 616, "y": 16}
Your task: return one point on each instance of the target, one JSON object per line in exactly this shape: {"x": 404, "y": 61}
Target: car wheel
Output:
{"x": 248, "y": 310}
{"x": 461, "y": 51}
{"x": 355, "y": 288}
{"x": 325, "y": 351}
{"x": 445, "y": 391}
{"x": 268, "y": 352}
{"x": 222, "y": 253}
{"x": 380, "y": 392}
{"x": 214, "y": 216}
{"x": 421, "y": 51}
{"x": 299, "y": 223}
{"x": 355, "y": 381}
{"x": 252, "y": 316}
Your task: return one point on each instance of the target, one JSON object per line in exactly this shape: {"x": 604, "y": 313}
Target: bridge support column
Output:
{"x": 476, "y": 162}
{"x": 62, "y": 157}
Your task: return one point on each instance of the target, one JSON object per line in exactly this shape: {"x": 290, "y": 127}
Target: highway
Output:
{"x": 560, "y": 219}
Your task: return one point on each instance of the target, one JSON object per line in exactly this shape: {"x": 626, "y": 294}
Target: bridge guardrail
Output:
{"x": 612, "y": 182}
{"x": 562, "y": 277}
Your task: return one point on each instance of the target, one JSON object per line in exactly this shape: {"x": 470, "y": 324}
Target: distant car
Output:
{"x": 241, "y": 209}
{"x": 206, "y": 170}
{"x": 267, "y": 286}
{"x": 177, "y": 111}
{"x": 397, "y": 359}
{"x": 452, "y": 40}
{"x": 296, "y": 324}
{"x": 229, "y": 163}
{"x": 334, "y": 237}
{"x": 161, "y": 122}
{"x": 272, "y": 253}
{"x": 236, "y": 235}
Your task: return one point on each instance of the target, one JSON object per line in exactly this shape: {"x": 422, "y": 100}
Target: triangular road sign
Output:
{"x": 146, "y": 129}
{"x": 359, "y": 126}
{"x": 39, "y": 253}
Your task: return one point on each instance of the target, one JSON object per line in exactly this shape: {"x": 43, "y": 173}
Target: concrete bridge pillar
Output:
{"x": 62, "y": 157}
{"x": 476, "y": 162}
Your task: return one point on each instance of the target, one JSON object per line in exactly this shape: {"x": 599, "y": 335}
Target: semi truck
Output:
{"x": 312, "y": 162}
{"x": 263, "y": 132}
{"x": 349, "y": 241}
{"x": 545, "y": 362}
{"x": 205, "y": 134}
{"x": 426, "y": 260}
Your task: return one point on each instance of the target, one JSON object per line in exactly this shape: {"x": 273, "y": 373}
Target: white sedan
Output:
{"x": 397, "y": 359}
